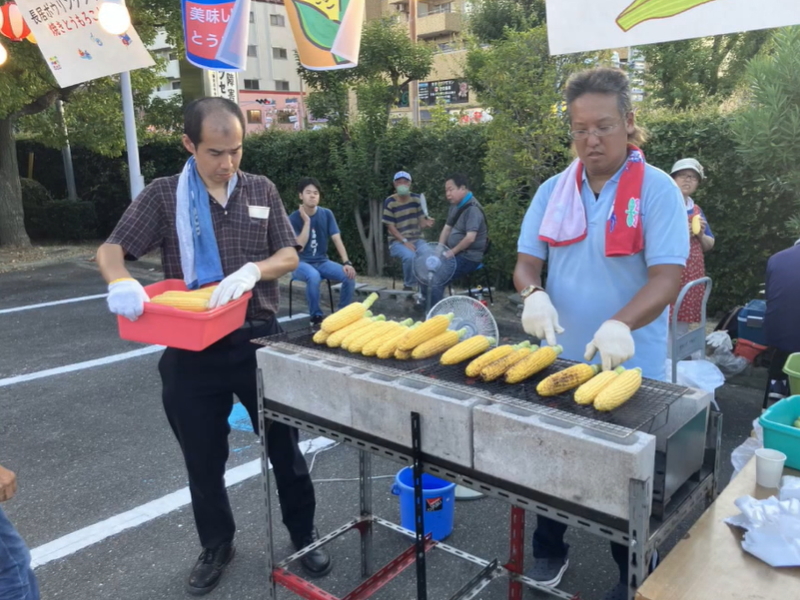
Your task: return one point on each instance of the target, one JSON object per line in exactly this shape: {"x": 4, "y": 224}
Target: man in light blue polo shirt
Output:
{"x": 614, "y": 262}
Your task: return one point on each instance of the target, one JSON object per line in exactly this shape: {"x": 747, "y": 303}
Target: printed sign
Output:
{"x": 586, "y": 25}
{"x": 327, "y": 32}
{"x": 222, "y": 84}
{"x": 74, "y": 45}
{"x": 216, "y": 33}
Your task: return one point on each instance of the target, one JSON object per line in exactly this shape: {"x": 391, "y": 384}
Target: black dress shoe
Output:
{"x": 316, "y": 563}
{"x": 208, "y": 569}
{"x": 317, "y": 319}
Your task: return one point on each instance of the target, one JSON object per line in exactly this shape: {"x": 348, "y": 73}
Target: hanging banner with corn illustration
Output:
{"x": 586, "y": 25}
{"x": 327, "y": 32}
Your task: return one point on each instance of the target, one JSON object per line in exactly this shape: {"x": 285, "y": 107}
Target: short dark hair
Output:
{"x": 307, "y": 181}
{"x": 459, "y": 179}
{"x": 605, "y": 80}
{"x": 196, "y": 112}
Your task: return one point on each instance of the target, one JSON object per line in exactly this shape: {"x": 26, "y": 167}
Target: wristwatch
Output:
{"x": 347, "y": 263}
{"x": 530, "y": 290}
{"x": 405, "y": 240}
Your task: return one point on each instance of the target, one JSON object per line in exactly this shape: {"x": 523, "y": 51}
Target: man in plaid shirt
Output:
{"x": 256, "y": 246}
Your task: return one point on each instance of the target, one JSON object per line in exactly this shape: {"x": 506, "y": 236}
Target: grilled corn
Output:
{"x": 350, "y": 313}
{"x": 533, "y": 363}
{"x": 371, "y": 347}
{"x": 587, "y": 392}
{"x": 696, "y": 225}
{"x": 474, "y": 368}
{"x": 567, "y": 379}
{"x": 467, "y": 349}
{"x": 619, "y": 391}
{"x": 496, "y": 369}
{"x": 428, "y": 330}
{"x": 388, "y": 347}
{"x": 437, "y": 345}
{"x": 349, "y": 342}
{"x": 335, "y": 339}
{"x": 402, "y": 354}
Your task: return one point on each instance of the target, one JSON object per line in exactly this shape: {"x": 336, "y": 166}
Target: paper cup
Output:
{"x": 769, "y": 467}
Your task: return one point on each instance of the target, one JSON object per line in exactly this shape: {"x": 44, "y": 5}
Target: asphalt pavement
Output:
{"x": 102, "y": 500}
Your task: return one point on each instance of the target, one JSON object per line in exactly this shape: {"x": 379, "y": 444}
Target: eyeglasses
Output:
{"x": 689, "y": 176}
{"x": 583, "y": 134}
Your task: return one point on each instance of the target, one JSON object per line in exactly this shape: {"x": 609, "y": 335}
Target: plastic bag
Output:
{"x": 728, "y": 363}
{"x": 745, "y": 451}
{"x": 790, "y": 487}
{"x": 699, "y": 374}
{"x": 773, "y": 529}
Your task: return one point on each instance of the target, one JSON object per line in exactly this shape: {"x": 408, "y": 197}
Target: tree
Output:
{"x": 686, "y": 73}
{"x": 768, "y": 129}
{"x": 490, "y": 20}
{"x": 93, "y": 113}
{"x": 388, "y": 61}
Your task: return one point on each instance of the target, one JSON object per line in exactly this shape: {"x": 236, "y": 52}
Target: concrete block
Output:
{"x": 566, "y": 461}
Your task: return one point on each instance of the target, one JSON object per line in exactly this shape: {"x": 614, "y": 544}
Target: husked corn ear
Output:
{"x": 350, "y": 313}
{"x": 437, "y": 345}
{"x": 205, "y": 292}
{"x": 402, "y": 354}
{"x": 566, "y": 379}
{"x": 619, "y": 391}
{"x": 388, "y": 347}
{"x": 335, "y": 339}
{"x": 533, "y": 363}
{"x": 429, "y": 329}
{"x": 587, "y": 392}
{"x": 474, "y": 368}
{"x": 497, "y": 368}
{"x": 467, "y": 349}
{"x": 185, "y": 302}
{"x": 351, "y": 337}
{"x": 321, "y": 337}
{"x": 696, "y": 225}
{"x": 369, "y": 333}
{"x": 371, "y": 347}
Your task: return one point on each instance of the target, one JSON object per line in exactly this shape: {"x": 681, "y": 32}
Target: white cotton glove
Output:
{"x": 614, "y": 342}
{"x": 540, "y": 319}
{"x": 235, "y": 284}
{"x": 126, "y": 297}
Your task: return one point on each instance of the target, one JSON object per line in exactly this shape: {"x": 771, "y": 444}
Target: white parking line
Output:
{"x": 54, "y": 303}
{"x": 72, "y": 542}
{"x": 106, "y": 360}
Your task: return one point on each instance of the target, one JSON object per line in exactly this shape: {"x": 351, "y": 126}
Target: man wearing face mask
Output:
{"x": 405, "y": 219}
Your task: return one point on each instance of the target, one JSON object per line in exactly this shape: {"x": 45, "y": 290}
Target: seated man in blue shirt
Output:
{"x": 612, "y": 230}
{"x": 313, "y": 226}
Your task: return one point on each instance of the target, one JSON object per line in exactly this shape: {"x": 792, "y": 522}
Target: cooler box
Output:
{"x": 751, "y": 322}
{"x": 175, "y": 328}
{"x": 779, "y": 430}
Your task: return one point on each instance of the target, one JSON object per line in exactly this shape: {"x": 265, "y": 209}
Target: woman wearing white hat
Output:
{"x": 688, "y": 173}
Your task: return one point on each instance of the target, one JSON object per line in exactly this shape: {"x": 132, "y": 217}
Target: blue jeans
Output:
{"x": 17, "y": 581}
{"x": 313, "y": 274}
{"x": 463, "y": 266}
{"x": 398, "y": 250}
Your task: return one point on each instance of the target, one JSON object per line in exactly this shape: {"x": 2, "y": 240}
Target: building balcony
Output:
{"x": 438, "y": 24}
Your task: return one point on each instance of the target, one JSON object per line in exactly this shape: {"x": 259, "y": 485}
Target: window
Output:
{"x": 277, "y": 20}
{"x": 279, "y": 54}
{"x": 252, "y": 17}
{"x": 251, "y": 84}
{"x": 254, "y": 116}
{"x": 173, "y": 56}
{"x": 282, "y": 86}
{"x": 252, "y": 51}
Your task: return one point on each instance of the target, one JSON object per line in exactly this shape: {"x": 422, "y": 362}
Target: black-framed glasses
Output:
{"x": 582, "y": 134}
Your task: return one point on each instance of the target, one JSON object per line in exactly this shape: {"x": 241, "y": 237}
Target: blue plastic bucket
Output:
{"x": 438, "y": 497}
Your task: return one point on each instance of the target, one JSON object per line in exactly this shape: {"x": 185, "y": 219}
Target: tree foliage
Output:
{"x": 490, "y": 20}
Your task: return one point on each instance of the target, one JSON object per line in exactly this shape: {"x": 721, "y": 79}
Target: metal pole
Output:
{"x": 66, "y": 153}
{"x": 413, "y": 86}
{"x": 131, "y": 143}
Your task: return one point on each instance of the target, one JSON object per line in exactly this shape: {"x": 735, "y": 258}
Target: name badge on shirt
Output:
{"x": 258, "y": 212}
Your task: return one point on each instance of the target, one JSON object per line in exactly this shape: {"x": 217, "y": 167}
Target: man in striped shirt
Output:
{"x": 405, "y": 218}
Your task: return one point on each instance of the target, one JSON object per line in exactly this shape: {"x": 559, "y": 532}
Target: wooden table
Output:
{"x": 710, "y": 563}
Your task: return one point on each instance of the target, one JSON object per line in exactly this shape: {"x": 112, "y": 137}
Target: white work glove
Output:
{"x": 235, "y": 284}
{"x": 126, "y": 297}
{"x": 540, "y": 319}
{"x": 614, "y": 342}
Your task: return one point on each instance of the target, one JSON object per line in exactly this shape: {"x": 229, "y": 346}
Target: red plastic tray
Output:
{"x": 175, "y": 328}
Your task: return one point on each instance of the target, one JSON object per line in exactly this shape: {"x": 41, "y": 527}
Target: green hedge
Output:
{"x": 749, "y": 224}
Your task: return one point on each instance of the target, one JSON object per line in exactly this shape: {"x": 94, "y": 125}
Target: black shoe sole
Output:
{"x": 317, "y": 574}
{"x": 195, "y": 591}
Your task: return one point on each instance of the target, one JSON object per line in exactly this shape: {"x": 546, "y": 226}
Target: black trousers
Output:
{"x": 548, "y": 542}
{"x": 198, "y": 389}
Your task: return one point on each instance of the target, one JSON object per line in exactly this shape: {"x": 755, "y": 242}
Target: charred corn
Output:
{"x": 437, "y": 345}
{"x": 587, "y": 392}
{"x": 566, "y": 379}
{"x": 369, "y": 330}
{"x": 184, "y": 302}
{"x": 496, "y": 369}
{"x": 371, "y": 347}
{"x": 470, "y": 347}
{"x": 533, "y": 363}
{"x": 369, "y": 334}
{"x": 428, "y": 330}
{"x": 619, "y": 391}
{"x": 402, "y": 354}
{"x": 474, "y": 368}
{"x": 349, "y": 314}
{"x": 335, "y": 339}
{"x": 388, "y": 347}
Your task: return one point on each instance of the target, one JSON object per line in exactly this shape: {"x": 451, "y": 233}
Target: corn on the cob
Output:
{"x": 696, "y": 225}
{"x": 567, "y": 379}
{"x": 402, "y": 354}
{"x": 350, "y": 338}
{"x": 467, "y": 349}
{"x": 474, "y": 368}
{"x": 185, "y": 302}
{"x": 496, "y": 369}
{"x": 437, "y": 345}
{"x": 428, "y": 330}
{"x": 371, "y": 347}
{"x": 335, "y": 339}
{"x": 201, "y": 293}
{"x": 350, "y": 313}
{"x": 640, "y": 11}
{"x": 587, "y": 392}
{"x": 370, "y": 333}
{"x": 388, "y": 347}
{"x": 321, "y": 336}
{"x": 619, "y": 391}
{"x": 533, "y": 363}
